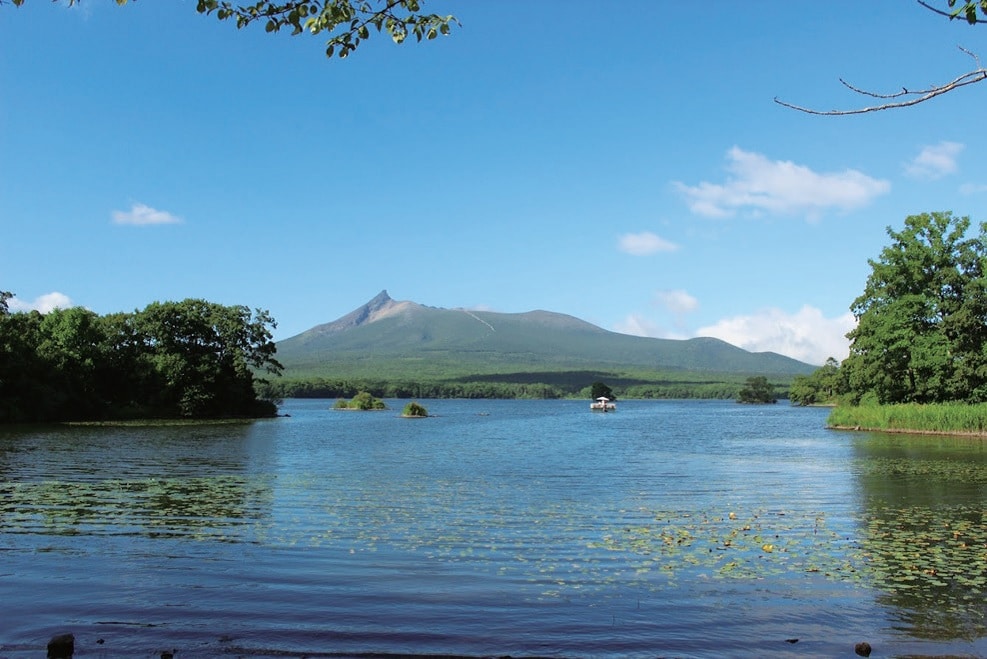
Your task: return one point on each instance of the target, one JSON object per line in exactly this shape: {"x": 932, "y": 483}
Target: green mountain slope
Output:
{"x": 389, "y": 339}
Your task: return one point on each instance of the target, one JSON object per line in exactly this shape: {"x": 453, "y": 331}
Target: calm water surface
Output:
{"x": 494, "y": 528}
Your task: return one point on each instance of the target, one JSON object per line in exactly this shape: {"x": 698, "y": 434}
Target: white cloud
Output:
{"x": 935, "y": 161}
{"x": 637, "y": 325}
{"x": 677, "y": 301}
{"x": 642, "y": 244}
{"x": 780, "y": 187}
{"x": 973, "y": 188}
{"x": 44, "y": 304}
{"x": 142, "y": 215}
{"x": 806, "y": 335}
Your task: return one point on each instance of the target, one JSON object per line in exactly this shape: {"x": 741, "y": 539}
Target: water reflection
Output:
{"x": 924, "y": 535}
{"x": 172, "y": 481}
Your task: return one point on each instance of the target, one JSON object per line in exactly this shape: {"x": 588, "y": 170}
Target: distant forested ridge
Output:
{"x": 562, "y": 384}
{"x": 189, "y": 359}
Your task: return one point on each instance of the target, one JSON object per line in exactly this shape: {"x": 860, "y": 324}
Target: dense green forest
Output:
{"x": 560, "y": 384}
{"x": 921, "y": 334}
{"x": 189, "y": 359}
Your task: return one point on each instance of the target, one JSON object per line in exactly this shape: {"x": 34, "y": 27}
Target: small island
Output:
{"x": 363, "y": 402}
{"x": 414, "y": 410}
{"x": 757, "y": 391}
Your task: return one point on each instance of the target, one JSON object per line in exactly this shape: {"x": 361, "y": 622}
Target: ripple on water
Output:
{"x": 669, "y": 528}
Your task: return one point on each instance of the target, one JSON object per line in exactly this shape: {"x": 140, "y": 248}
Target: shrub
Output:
{"x": 757, "y": 390}
{"x": 414, "y": 409}
{"x": 362, "y": 401}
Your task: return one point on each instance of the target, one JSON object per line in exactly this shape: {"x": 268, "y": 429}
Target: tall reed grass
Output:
{"x": 936, "y": 418}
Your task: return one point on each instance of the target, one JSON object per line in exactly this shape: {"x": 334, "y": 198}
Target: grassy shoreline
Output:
{"x": 933, "y": 419}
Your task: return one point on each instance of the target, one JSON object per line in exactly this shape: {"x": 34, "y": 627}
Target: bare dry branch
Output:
{"x": 908, "y": 97}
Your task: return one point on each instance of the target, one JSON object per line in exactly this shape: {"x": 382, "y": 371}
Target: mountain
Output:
{"x": 386, "y": 338}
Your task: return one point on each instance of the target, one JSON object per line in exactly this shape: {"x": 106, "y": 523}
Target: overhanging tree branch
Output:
{"x": 901, "y": 99}
{"x": 967, "y": 10}
{"x": 907, "y": 97}
{"x": 347, "y": 22}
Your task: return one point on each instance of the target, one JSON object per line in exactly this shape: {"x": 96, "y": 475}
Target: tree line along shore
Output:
{"x": 173, "y": 360}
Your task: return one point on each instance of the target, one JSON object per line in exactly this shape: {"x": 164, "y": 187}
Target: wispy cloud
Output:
{"x": 637, "y": 324}
{"x": 644, "y": 243}
{"x": 780, "y": 187}
{"x": 973, "y": 188}
{"x": 677, "y": 301}
{"x": 806, "y": 335}
{"x": 143, "y": 215}
{"x": 44, "y": 303}
{"x": 935, "y": 161}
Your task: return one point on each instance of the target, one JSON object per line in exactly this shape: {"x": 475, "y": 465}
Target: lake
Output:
{"x": 494, "y": 528}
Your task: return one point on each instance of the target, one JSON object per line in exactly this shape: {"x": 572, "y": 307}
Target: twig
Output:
{"x": 910, "y": 97}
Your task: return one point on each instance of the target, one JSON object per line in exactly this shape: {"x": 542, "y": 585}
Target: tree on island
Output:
{"x": 414, "y": 410}
{"x": 601, "y": 390}
{"x": 922, "y": 318}
{"x": 346, "y": 22}
{"x": 757, "y": 390}
{"x": 363, "y": 401}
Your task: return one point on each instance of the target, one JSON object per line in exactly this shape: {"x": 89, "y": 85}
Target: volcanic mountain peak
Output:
{"x": 384, "y": 335}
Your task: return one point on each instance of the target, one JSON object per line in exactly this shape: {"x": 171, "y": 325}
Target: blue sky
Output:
{"x": 620, "y": 162}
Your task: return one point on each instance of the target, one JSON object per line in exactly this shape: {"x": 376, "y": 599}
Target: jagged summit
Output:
{"x": 380, "y": 306}
{"x": 379, "y": 300}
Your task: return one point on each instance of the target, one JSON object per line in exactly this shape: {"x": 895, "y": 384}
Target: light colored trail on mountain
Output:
{"x": 474, "y": 316}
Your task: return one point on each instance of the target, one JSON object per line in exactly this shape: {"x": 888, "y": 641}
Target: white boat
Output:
{"x": 603, "y": 404}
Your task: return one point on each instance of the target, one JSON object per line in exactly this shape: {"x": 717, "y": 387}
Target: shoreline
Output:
{"x": 980, "y": 434}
